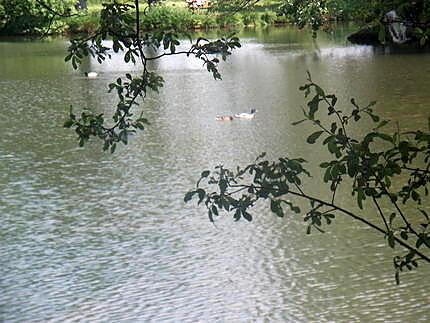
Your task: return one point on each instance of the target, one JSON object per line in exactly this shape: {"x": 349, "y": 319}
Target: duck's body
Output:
{"x": 223, "y": 118}
{"x": 91, "y": 75}
{"x": 246, "y": 115}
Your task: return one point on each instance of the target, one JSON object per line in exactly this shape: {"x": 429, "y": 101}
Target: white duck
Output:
{"x": 91, "y": 75}
{"x": 245, "y": 115}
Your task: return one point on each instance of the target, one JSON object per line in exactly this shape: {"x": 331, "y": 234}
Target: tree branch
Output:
{"x": 54, "y": 12}
{"x": 350, "y": 214}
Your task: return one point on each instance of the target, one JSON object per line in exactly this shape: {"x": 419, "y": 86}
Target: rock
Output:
{"x": 365, "y": 36}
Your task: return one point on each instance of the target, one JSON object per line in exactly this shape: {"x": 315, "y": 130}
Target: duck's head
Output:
{"x": 223, "y": 118}
{"x": 253, "y": 110}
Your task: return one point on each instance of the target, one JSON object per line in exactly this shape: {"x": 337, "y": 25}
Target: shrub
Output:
{"x": 229, "y": 20}
{"x": 268, "y": 17}
{"x": 208, "y": 20}
{"x": 249, "y": 18}
{"x": 83, "y": 24}
{"x": 27, "y": 16}
{"x": 160, "y": 17}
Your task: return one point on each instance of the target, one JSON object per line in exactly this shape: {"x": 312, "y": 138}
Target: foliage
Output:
{"x": 249, "y": 18}
{"x": 153, "y": 2}
{"x": 82, "y": 23}
{"x": 159, "y": 16}
{"x": 268, "y": 17}
{"x": 224, "y": 20}
{"x": 366, "y": 166}
{"x": 317, "y": 14}
{"x": 120, "y": 22}
{"x": 415, "y": 15}
{"x": 208, "y": 21}
{"x": 168, "y": 17}
{"x": 369, "y": 164}
{"x": 29, "y": 16}
{"x": 308, "y": 12}
{"x": 232, "y": 6}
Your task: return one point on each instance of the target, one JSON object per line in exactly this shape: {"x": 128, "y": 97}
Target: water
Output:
{"x": 89, "y": 236}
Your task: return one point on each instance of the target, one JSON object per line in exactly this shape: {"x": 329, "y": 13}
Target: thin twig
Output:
{"x": 381, "y": 213}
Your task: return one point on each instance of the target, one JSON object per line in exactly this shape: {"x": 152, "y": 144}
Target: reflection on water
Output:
{"x": 88, "y": 236}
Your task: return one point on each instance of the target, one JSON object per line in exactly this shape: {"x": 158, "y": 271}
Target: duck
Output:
{"x": 91, "y": 75}
{"x": 224, "y": 118}
{"x": 245, "y": 115}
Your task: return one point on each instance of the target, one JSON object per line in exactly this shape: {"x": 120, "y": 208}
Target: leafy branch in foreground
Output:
{"x": 371, "y": 163}
{"x": 120, "y": 23}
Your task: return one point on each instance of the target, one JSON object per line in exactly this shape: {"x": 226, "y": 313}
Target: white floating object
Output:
{"x": 91, "y": 75}
{"x": 245, "y": 115}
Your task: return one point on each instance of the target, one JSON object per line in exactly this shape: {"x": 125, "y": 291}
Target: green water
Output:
{"x": 89, "y": 236}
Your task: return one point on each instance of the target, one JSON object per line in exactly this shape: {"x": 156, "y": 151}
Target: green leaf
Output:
{"x": 210, "y": 216}
{"x": 390, "y": 237}
{"x": 205, "y": 174}
{"x": 201, "y": 193}
{"x": 140, "y": 126}
{"x": 313, "y": 137}
{"x": 327, "y": 175}
{"x": 123, "y": 136}
{"x": 375, "y": 118}
{"x": 360, "y": 197}
{"x": 313, "y": 106}
{"x": 247, "y": 216}
{"x": 74, "y": 63}
{"x": 387, "y": 181}
{"x": 415, "y": 195}
{"x": 382, "y": 124}
{"x": 298, "y": 122}
{"x": 319, "y": 90}
{"x": 223, "y": 185}
{"x": 352, "y": 164}
{"x": 189, "y": 196}
{"x": 333, "y": 148}
{"x": 333, "y": 127}
{"x": 275, "y": 207}
{"x": 68, "y": 123}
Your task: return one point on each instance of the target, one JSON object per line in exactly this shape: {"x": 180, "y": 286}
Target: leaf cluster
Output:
{"x": 270, "y": 181}
{"x": 120, "y": 23}
{"x": 381, "y": 167}
{"x": 31, "y": 16}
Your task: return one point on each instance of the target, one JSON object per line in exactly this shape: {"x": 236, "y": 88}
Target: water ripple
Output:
{"x": 88, "y": 236}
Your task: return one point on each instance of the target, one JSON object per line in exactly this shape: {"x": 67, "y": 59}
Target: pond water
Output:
{"x": 90, "y": 236}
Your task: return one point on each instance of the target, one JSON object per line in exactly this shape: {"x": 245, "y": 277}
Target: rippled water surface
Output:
{"x": 89, "y": 236}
